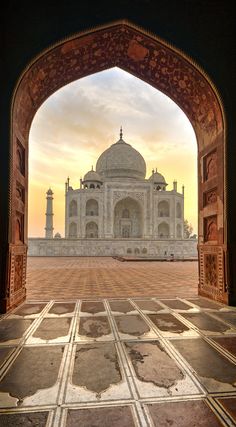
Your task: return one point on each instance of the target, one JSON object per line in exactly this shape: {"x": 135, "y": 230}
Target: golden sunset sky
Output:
{"x": 78, "y": 122}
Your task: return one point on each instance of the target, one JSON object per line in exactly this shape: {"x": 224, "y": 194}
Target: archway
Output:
{"x": 163, "y": 230}
{"x": 178, "y": 210}
{"x": 128, "y": 219}
{"x": 124, "y": 45}
{"x": 91, "y": 231}
{"x": 73, "y": 230}
{"x": 73, "y": 208}
{"x": 91, "y": 207}
{"x": 163, "y": 208}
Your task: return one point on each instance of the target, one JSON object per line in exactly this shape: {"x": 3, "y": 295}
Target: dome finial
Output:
{"x": 92, "y": 168}
{"x": 121, "y": 132}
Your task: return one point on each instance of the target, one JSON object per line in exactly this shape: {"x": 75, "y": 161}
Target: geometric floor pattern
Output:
{"x": 127, "y": 362}
{"x": 106, "y": 277}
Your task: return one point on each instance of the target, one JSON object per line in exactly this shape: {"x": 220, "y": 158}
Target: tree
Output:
{"x": 188, "y": 229}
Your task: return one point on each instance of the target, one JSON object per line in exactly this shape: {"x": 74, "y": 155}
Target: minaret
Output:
{"x": 49, "y": 215}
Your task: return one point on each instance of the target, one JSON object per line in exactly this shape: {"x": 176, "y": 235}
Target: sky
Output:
{"x": 78, "y": 122}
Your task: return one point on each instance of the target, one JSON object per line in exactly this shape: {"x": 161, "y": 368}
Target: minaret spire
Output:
{"x": 49, "y": 215}
{"x": 121, "y": 132}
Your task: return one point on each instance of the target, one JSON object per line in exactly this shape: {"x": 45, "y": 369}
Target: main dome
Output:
{"x": 121, "y": 160}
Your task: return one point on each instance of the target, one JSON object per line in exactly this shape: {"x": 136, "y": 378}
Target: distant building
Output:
{"x": 116, "y": 203}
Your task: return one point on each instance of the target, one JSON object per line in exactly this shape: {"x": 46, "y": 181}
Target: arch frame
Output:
{"x": 134, "y": 200}
{"x": 166, "y": 68}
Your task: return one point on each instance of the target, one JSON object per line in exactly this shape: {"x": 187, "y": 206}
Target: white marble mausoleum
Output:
{"x": 117, "y": 211}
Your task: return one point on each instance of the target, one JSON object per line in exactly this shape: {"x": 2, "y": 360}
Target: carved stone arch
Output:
{"x": 92, "y": 208}
{"x": 73, "y": 230}
{"x": 164, "y": 208}
{"x": 91, "y": 230}
{"x": 178, "y": 231}
{"x": 164, "y": 230}
{"x": 151, "y": 59}
{"x": 73, "y": 208}
{"x": 128, "y": 218}
{"x": 178, "y": 210}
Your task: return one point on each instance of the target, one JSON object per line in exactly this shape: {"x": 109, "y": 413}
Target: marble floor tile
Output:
{"x": 148, "y": 305}
{"x": 176, "y": 304}
{"x": 12, "y": 330}
{"x": 121, "y": 306}
{"x": 118, "y": 416}
{"x": 117, "y": 363}
{"x": 193, "y": 413}
{"x": 34, "y": 369}
{"x": 229, "y": 404}
{"x": 62, "y": 308}
{"x": 214, "y": 370}
{"x": 27, "y": 419}
{"x": 228, "y": 343}
{"x": 206, "y": 324}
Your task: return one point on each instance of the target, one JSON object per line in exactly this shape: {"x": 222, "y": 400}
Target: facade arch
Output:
{"x": 92, "y": 208}
{"x": 165, "y": 68}
{"x": 178, "y": 210}
{"x": 91, "y": 231}
{"x": 73, "y": 208}
{"x": 163, "y": 230}
{"x": 73, "y": 230}
{"x": 128, "y": 219}
{"x": 164, "y": 208}
{"x": 179, "y": 231}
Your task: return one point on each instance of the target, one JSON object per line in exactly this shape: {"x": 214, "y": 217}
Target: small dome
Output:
{"x": 121, "y": 160}
{"x": 92, "y": 176}
{"x": 157, "y": 178}
{"x": 57, "y": 236}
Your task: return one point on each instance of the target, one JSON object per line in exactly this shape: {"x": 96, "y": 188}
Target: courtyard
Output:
{"x": 106, "y": 277}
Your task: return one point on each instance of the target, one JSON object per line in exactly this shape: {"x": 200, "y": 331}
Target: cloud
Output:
{"x": 78, "y": 122}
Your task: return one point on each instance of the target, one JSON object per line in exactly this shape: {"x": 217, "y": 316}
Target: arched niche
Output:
{"x": 164, "y": 208}
{"x": 73, "y": 230}
{"x": 73, "y": 210}
{"x": 163, "y": 230}
{"x": 179, "y": 231}
{"x": 128, "y": 219}
{"x": 124, "y": 45}
{"x": 91, "y": 230}
{"x": 92, "y": 207}
{"x": 178, "y": 210}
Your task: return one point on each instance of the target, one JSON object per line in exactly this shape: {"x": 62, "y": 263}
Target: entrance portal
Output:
{"x": 123, "y": 45}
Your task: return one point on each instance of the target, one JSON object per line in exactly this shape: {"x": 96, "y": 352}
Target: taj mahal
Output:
{"x": 116, "y": 211}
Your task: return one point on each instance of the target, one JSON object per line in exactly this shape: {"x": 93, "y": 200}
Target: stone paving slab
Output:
{"x": 216, "y": 372}
{"x": 62, "y": 308}
{"x": 95, "y": 327}
{"x": 148, "y": 305}
{"x": 176, "y": 304}
{"x": 207, "y": 324}
{"x": 121, "y": 307}
{"x": 116, "y": 362}
{"x": 118, "y": 416}
{"x": 35, "y": 368}
{"x": 51, "y": 330}
{"x": 28, "y": 419}
{"x": 194, "y": 413}
{"x": 11, "y": 330}
{"x": 29, "y": 309}
{"x": 92, "y": 307}
{"x": 229, "y": 405}
{"x": 169, "y": 325}
{"x": 228, "y": 343}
